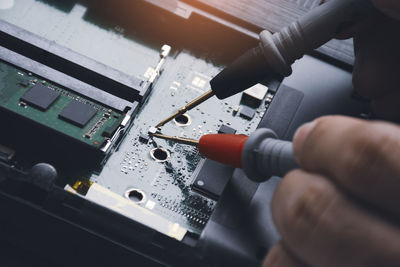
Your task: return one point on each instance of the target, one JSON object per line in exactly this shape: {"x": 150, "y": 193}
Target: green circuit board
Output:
{"x": 16, "y": 83}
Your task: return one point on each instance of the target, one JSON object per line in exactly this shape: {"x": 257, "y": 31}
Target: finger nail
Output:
{"x": 300, "y": 137}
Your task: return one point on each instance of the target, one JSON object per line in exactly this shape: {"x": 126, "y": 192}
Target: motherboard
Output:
{"x": 158, "y": 174}
{"x": 167, "y": 179}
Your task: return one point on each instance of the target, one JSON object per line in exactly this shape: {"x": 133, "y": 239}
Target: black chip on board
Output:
{"x": 144, "y": 138}
{"x": 77, "y": 113}
{"x": 40, "y": 97}
{"x": 224, "y": 129}
{"x": 211, "y": 178}
{"x": 247, "y": 112}
{"x": 24, "y": 83}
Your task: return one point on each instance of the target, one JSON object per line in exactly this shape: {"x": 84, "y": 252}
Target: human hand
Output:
{"x": 342, "y": 208}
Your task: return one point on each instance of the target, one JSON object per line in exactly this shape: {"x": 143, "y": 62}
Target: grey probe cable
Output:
{"x": 277, "y": 52}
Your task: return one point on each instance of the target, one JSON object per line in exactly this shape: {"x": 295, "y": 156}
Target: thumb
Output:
{"x": 361, "y": 157}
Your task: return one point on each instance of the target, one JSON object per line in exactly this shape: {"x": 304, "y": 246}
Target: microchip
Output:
{"x": 40, "y": 97}
{"x": 77, "y": 113}
{"x": 211, "y": 178}
{"x": 144, "y": 138}
{"x": 224, "y": 129}
{"x": 24, "y": 83}
{"x": 247, "y": 112}
{"x": 254, "y": 96}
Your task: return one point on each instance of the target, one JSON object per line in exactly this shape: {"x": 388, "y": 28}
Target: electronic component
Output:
{"x": 24, "y": 83}
{"x": 224, "y": 129}
{"x": 153, "y": 130}
{"x": 211, "y": 179}
{"x": 144, "y": 138}
{"x": 268, "y": 99}
{"x": 40, "y": 97}
{"x": 254, "y": 96}
{"x": 110, "y": 130}
{"x": 77, "y": 113}
{"x": 235, "y": 110}
{"x": 247, "y": 112}
{"x": 95, "y": 128}
{"x": 51, "y": 112}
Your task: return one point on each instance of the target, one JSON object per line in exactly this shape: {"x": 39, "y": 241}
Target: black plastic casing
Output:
{"x": 241, "y": 228}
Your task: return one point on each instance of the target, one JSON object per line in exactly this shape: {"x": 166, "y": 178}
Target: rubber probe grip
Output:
{"x": 224, "y": 148}
{"x": 261, "y": 155}
{"x": 265, "y": 156}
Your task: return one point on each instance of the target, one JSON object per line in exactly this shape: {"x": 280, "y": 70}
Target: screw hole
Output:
{"x": 135, "y": 195}
{"x": 182, "y": 120}
{"x": 160, "y": 154}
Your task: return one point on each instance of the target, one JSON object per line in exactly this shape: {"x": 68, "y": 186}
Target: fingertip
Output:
{"x": 300, "y": 137}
